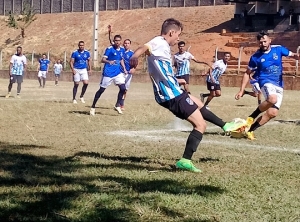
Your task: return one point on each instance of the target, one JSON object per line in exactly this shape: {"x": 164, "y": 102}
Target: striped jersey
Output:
{"x": 18, "y": 64}
{"x": 219, "y": 68}
{"x": 165, "y": 85}
{"x": 183, "y": 63}
{"x": 57, "y": 68}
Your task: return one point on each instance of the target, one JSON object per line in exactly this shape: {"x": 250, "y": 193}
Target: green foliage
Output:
{"x": 11, "y": 21}
{"x": 22, "y": 20}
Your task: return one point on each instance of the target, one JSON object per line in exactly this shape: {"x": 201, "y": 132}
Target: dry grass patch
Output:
{"x": 57, "y": 163}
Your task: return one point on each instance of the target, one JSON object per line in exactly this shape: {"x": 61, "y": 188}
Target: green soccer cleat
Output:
{"x": 232, "y": 126}
{"x": 185, "y": 164}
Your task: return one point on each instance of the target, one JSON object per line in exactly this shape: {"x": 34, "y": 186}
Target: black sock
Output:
{"x": 206, "y": 102}
{"x": 83, "y": 90}
{"x": 75, "y": 90}
{"x": 192, "y": 144}
{"x": 255, "y": 113}
{"x": 120, "y": 95}
{"x": 259, "y": 102}
{"x": 97, "y": 96}
{"x": 211, "y": 117}
{"x": 19, "y": 88}
{"x": 205, "y": 94}
{"x": 9, "y": 87}
{"x": 254, "y": 126}
{"x": 246, "y": 92}
{"x": 44, "y": 82}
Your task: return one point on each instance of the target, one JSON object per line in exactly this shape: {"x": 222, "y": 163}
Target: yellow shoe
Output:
{"x": 250, "y": 135}
{"x": 249, "y": 121}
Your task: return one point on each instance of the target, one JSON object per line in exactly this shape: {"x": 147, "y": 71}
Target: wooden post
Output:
{"x": 82, "y": 5}
{"x": 170, "y": 3}
{"x": 62, "y": 6}
{"x": 130, "y": 4}
{"x": 105, "y": 5}
{"x": 183, "y": 3}
{"x": 71, "y": 5}
{"x": 198, "y": 2}
{"x": 4, "y": 8}
{"x": 118, "y": 6}
{"x": 143, "y": 4}
{"x": 156, "y": 3}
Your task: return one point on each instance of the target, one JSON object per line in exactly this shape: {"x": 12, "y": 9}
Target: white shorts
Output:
{"x": 42, "y": 74}
{"x": 270, "y": 89}
{"x": 80, "y": 75}
{"x": 255, "y": 88}
{"x": 118, "y": 80}
{"x": 128, "y": 78}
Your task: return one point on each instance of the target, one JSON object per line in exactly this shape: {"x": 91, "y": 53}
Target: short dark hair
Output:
{"x": 19, "y": 47}
{"x": 169, "y": 24}
{"x": 117, "y": 36}
{"x": 80, "y": 42}
{"x": 261, "y": 34}
{"x": 225, "y": 53}
{"x": 127, "y": 40}
{"x": 181, "y": 43}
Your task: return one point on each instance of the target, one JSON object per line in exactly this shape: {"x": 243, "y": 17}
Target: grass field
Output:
{"x": 57, "y": 163}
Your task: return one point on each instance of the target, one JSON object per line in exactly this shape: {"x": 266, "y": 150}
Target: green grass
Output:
{"x": 59, "y": 164}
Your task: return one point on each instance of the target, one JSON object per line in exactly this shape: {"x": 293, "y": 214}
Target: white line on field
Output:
{"x": 151, "y": 135}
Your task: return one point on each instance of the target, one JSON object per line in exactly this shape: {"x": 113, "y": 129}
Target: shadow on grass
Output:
{"x": 104, "y": 156}
{"x": 296, "y": 122}
{"x": 165, "y": 186}
{"x": 88, "y": 113}
{"x": 50, "y": 188}
{"x": 208, "y": 159}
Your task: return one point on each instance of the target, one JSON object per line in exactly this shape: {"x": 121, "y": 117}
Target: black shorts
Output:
{"x": 181, "y": 106}
{"x": 213, "y": 86}
{"x": 16, "y": 78}
{"x": 185, "y": 77}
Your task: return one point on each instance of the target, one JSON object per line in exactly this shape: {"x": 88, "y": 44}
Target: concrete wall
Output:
{"x": 290, "y": 82}
{"x": 56, "y": 6}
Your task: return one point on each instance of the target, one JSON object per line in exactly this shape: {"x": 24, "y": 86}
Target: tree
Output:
{"x": 23, "y": 20}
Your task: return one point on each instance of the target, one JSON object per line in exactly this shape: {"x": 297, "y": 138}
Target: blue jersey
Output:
{"x": 268, "y": 65}
{"x": 126, "y": 59}
{"x": 44, "y": 63}
{"x": 80, "y": 59}
{"x": 112, "y": 54}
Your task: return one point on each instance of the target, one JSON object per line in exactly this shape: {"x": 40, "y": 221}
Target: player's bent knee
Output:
{"x": 272, "y": 113}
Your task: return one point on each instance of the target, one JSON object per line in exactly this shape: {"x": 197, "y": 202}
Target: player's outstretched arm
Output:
{"x": 245, "y": 80}
{"x": 294, "y": 56}
{"x": 134, "y": 60}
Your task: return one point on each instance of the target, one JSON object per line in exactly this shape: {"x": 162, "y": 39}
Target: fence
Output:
{"x": 32, "y": 61}
{"x": 63, "y": 6}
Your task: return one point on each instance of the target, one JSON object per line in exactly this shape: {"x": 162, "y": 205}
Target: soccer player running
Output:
{"x": 182, "y": 64}
{"x": 267, "y": 62}
{"x": 57, "y": 69}
{"x": 169, "y": 94}
{"x": 43, "y": 68}
{"x": 81, "y": 67}
{"x": 17, "y": 68}
{"x": 113, "y": 60}
{"x": 212, "y": 80}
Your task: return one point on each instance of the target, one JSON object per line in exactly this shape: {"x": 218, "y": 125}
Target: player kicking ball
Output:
{"x": 168, "y": 93}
